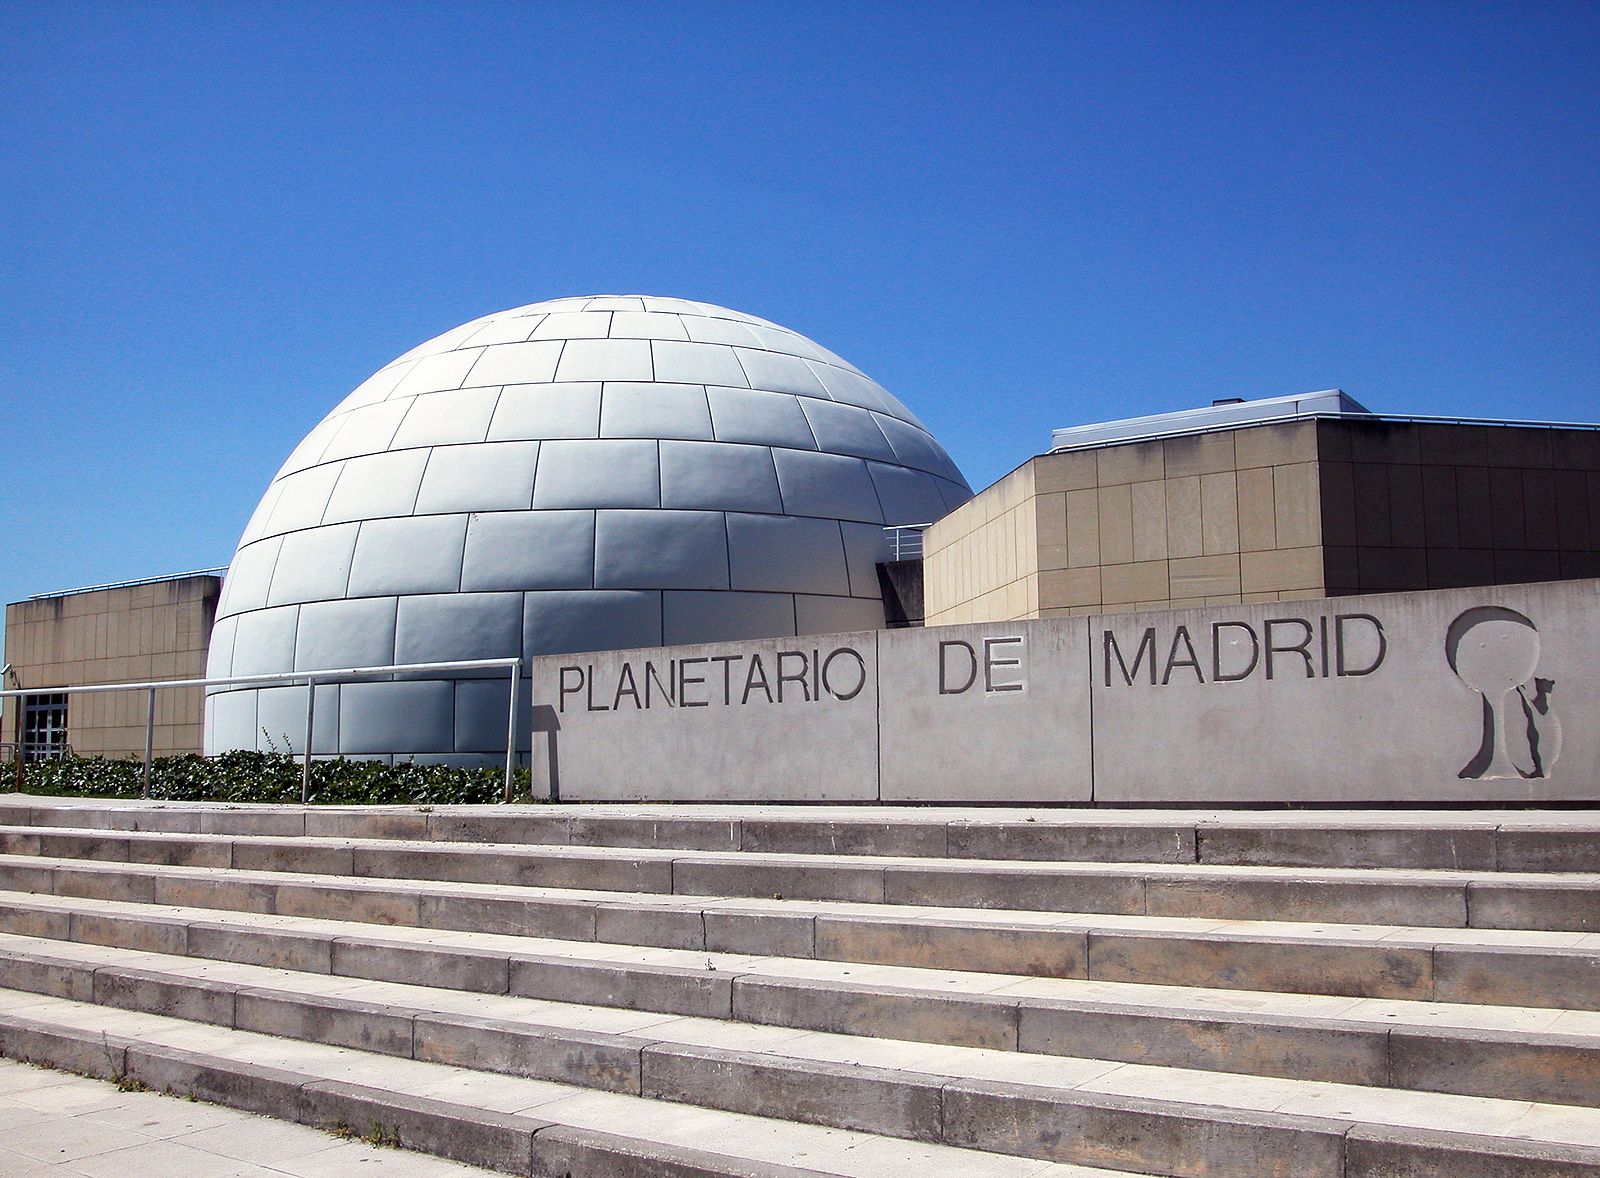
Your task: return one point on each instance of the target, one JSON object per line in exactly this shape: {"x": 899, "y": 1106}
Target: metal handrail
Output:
{"x": 1402, "y": 418}
{"x": 905, "y": 540}
{"x": 291, "y": 678}
{"x": 131, "y": 584}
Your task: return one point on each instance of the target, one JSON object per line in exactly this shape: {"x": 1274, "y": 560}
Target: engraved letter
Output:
{"x": 793, "y": 676}
{"x": 1300, "y": 648}
{"x": 1181, "y": 635}
{"x": 1147, "y": 646}
{"x": 574, "y": 689}
{"x": 990, "y": 663}
{"x": 944, "y": 667}
{"x": 1217, "y": 675}
{"x": 861, "y": 671}
{"x": 1338, "y": 645}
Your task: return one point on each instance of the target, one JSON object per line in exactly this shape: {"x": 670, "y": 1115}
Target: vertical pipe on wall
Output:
{"x": 511, "y": 726}
{"x": 149, "y": 740}
{"x": 311, "y": 717}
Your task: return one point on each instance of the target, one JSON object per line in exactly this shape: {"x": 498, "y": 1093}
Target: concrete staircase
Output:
{"x": 653, "y": 990}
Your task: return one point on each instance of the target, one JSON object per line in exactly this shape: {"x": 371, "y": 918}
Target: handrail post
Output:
{"x": 149, "y": 740}
{"x": 311, "y": 719}
{"x": 511, "y": 726}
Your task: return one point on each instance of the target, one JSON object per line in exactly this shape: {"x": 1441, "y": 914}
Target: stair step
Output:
{"x": 1123, "y": 1117}
{"x": 1526, "y": 1055}
{"x": 1514, "y": 967}
{"x": 650, "y": 990}
{"x": 1549, "y": 1055}
{"x": 505, "y": 1123}
{"x": 1484, "y": 840}
{"x": 1442, "y": 899}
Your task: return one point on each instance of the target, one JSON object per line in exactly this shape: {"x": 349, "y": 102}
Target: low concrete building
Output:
{"x": 132, "y": 631}
{"x": 1271, "y": 500}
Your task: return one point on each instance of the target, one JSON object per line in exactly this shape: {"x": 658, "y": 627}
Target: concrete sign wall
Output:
{"x": 1460, "y": 695}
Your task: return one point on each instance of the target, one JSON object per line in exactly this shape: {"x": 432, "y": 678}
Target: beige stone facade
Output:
{"x": 144, "y": 632}
{"x": 1269, "y": 512}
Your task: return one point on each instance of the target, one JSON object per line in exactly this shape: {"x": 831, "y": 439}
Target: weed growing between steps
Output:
{"x": 268, "y": 777}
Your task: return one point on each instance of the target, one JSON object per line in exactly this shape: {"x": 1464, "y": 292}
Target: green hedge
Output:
{"x": 267, "y": 777}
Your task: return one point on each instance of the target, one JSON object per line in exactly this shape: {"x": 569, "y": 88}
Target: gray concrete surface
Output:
{"x": 60, "y": 1125}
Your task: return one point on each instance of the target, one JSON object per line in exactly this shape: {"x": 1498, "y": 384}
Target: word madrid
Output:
{"x": 1341, "y": 646}
{"x": 804, "y": 676}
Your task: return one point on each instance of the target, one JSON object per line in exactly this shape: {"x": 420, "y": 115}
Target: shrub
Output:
{"x": 271, "y": 777}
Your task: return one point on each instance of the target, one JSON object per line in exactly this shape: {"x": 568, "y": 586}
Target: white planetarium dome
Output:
{"x": 579, "y": 474}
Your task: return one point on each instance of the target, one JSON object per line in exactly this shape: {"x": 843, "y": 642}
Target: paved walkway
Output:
{"x": 57, "y": 1125}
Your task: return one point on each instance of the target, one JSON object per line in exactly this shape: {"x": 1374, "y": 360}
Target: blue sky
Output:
{"x": 215, "y": 220}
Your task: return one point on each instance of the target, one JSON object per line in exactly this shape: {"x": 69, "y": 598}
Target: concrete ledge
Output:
{"x": 1378, "y": 1152}
{"x": 589, "y": 1059}
{"x": 564, "y": 1152}
{"x": 447, "y": 1129}
{"x": 884, "y": 1012}
{"x": 1468, "y": 840}
{"x": 35, "y": 1041}
{"x": 1153, "y": 1136}
{"x": 273, "y": 1092}
{"x": 1340, "y": 895}
{"x": 814, "y": 1092}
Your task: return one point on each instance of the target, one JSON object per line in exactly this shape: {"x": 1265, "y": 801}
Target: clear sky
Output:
{"x": 215, "y": 220}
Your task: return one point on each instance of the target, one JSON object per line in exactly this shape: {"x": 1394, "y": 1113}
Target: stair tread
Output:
{"x": 734, "y": 1135}
{"x": 899, "y": 815}
{"x": 1233, "y": 1093}
{"x": 945, "y": 864}
{"x": 1256, "y": 1005}
{"x": 1176, "y": 926}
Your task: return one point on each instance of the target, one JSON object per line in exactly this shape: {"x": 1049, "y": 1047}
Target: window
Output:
{"x": 44, "y": 726}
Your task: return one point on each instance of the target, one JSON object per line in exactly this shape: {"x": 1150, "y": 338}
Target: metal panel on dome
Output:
{"x": 601, "y": 473}
{"x": 768, "y": 419}
{"x": 455, "y": 626}
{"x": 836, "y": 615}
{"x": 516, "y": 363}
{"x": 432, "y": 374}
{"x": 565, "y": 325}
{"x": 700, "y": 364}
{"x": 438, "y": 419}
{"x": 846, "y": 429}
{"x": 786, "y": 553}
{"x": 719, "y": 477}
{"x": 302, "y": 499}
{"x": 376, "y": 485}
{"x": 631, "y": 410}
{"x": 529, "y": 550}
{"x": 660, "y": 550}
{"x": 689, "y": 616}
{"x": 269, "y": 638}
{"x": 366, "y": 430}
{"x": 356, "y": 633}
{"x": 396, "y": 718}
{"x": 539, "y": 411}
{"x": 908, "y": 495}
{"x": 313, "y": 565}
{"x": 778, "y": 373}
{"x": 720, "y": 331}
{"x": 646, "y": 325}
{"x": 590, "y": 619}
{"x": 418, "y": 554}
{"x": 493, "y": 476}
{"x": 832, "y": 485}
{"x": 605, "y": 359}
{"x": 249, "y": 577}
